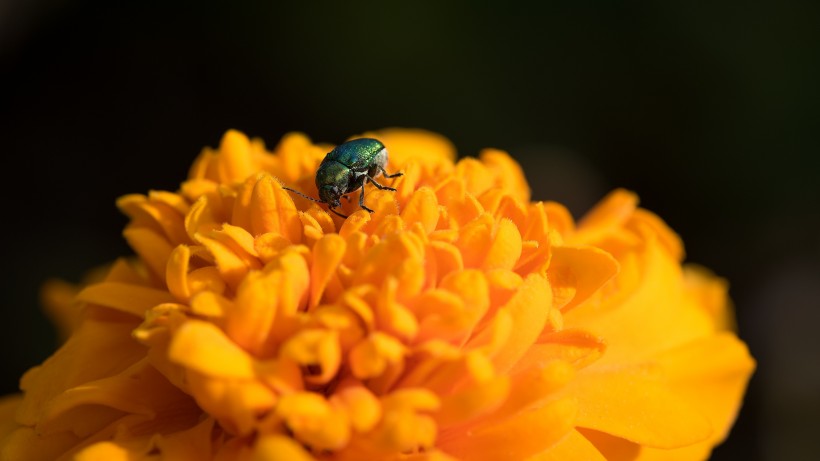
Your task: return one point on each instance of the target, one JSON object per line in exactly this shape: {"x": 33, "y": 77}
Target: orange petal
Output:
{"x": 234, "y": 162}
{"x": 272, "y": 210}
{"x": 391, "y": 316}
{"x": 508, "y": 172}
{"x": 475, "y": 175}
{"x": 422, "y": 208}
{"x": 327, "y": 254}
{"x": 475, "y": 239}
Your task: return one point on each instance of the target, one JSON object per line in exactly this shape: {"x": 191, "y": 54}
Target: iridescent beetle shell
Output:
{"x": 346, "y": 168}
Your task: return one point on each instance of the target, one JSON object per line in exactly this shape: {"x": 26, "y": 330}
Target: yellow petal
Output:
{"x": 192, "y": 444}
{"x": 8, "y": 407}
{"x": 275, "y": 446}
{"x": 529, "y": 309}
{"x": 472, "y": 402}
{"x": 314, "y": 421}
{"x": 236, "y": 404}
{"x": 363, "y": 408}
{"x": 575, "y": 346}
{"x": 652, "y": 317}
{"x": 127, "y": 298}
{"x": 572, "y": 446}
{"x": 505, "y": 249}
{"x": 250, "y": 322}
{"x": 176, "y": 272}
{"x": 315, "y": 347}
{"x": 104, "y": 451}
{"x": 232, "y": 266}
{"x": 610, "y": 213}
{"x": 711, "y": 374}
{"x": 203, "y": 347}
{"x": 24, "y": 443}
{"x": 371, "y": 356}
{"x": 612, "y": 447}
{"x": 624, "y": 402}
{"x": 534, "y": 385}
{"x": 210, "y": 304}
{"x": 585, "y": 269}
{"x": 533, "y": 432}
{"x": 152, "y": 248}
{"x": 77, "y": 362}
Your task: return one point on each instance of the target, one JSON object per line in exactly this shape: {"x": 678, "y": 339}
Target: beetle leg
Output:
{"x": 361, "y": 201}
{"x": 337, "y": 213}
{"x": 379, "y": 185}
{"x": 394, "y": 175}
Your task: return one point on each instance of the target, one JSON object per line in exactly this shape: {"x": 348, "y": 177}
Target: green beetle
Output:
{"x": 346, "y": 168}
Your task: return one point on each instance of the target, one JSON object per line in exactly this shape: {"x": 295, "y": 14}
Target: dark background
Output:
{"x": 709, "y": 112}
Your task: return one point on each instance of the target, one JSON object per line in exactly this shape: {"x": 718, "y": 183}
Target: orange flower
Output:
{"x": 458, "y": 321}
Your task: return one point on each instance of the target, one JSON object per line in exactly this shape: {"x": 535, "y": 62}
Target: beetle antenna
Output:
{"x": 303, "y": 195}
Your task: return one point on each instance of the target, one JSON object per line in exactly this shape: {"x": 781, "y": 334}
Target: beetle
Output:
{"x": 346, "y": 168}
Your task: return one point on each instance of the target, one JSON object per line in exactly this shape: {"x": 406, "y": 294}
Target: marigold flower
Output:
{"x": 460, "y": 320}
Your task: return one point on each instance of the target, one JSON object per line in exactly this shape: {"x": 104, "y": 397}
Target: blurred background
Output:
{"x": 710, "y": 113}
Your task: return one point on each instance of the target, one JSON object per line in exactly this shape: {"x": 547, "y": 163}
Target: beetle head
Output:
{"x": 330, "y": 194}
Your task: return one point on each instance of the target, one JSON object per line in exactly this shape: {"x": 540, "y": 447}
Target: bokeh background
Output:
{"x": 710, "y": 113}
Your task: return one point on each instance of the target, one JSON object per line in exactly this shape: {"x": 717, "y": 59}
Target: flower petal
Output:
{"x": 125, "y": 297}
{"x": 275, "y": 446}
{"x": 572, "y": 446}
{"x": 533, "y": 432}
{"x": 529, "y": 309}
{"x": 203, "y": 347}
{"x": 624, "y": 402}
{"x": 585, "y": 269}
